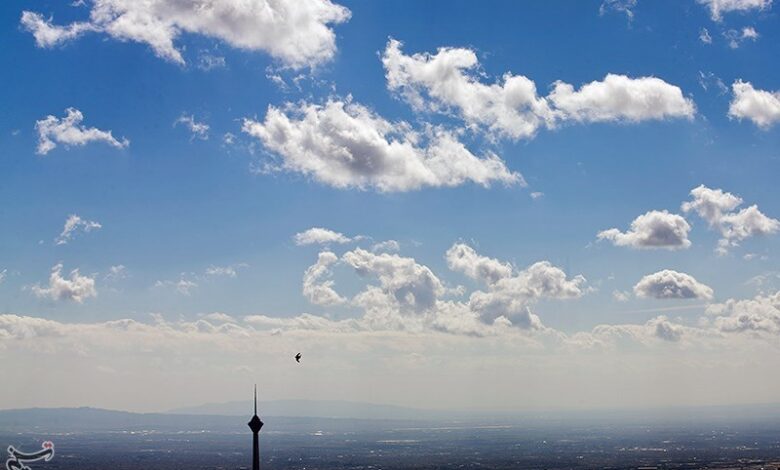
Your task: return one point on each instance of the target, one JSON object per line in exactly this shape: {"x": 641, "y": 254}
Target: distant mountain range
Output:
{"x": 312, "y": 409}
{"x": 315, "y": 415}
{"x": 68, "y": 420}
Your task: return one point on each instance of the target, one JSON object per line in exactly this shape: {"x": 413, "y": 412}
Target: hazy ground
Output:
{"x": 378, "y": 444}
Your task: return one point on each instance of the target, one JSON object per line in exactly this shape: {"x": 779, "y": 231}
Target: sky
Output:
{"x": 511, "y": 205}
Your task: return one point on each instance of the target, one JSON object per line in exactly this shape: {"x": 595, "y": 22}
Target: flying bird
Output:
{"x": 298, "y": 358}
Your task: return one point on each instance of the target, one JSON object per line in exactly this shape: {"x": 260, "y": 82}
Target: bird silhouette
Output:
{"x": 298, "y": 358}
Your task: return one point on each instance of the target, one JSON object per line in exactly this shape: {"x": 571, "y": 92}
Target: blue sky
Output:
{"x": 173, "y": 204}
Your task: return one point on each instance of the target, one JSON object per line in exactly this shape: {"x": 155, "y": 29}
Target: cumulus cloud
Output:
{"x": 656, "y": 330}
{"x": 317, "y": 285}
{"x": 199, "y": 130}
{"x": 668, "y": 284}
{"x": 654, "y": 229}
{"x": 718, "y": 208}
{"x": 464, "y": 259}
{"x": 68, "y": 131}
{"x": 665, "y": 329}
{"x": 298, "y": 33}
{"x": 760, "y": 106}
{"x": 320, "y": 236}
{"x": 620, "y": 98}
{"x": 73, "y": 225}
{"x": 448, "y": 82}
{"x": 511, "y": 293}
{"x": 410, "y": 297}
{"x": 760, "y": 314}
{"x": 76, "y": 288}
{"x": 511, "y": 297}
{"x": 402, "y": 294}
{"x": 719, "y": 7}
{"x": 346, "y": 145}
{"x": 411, "y": 284}
{"x": 444, "y": 82}
{"x": 711, "y": 204}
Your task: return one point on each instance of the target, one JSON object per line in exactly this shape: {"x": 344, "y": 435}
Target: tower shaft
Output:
{"x": 255, "y": 424}
{"x": 255, "y": 452}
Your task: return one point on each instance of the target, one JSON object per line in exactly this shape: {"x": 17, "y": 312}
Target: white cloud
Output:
{"x": 736, "y": 38}
{"x": 320, "y": 236}
{"x": 386, "y": 246}
{"x": 225, "y": 271}
{"x": 621, "y": 6}
{"x": 704, "y": 36}
{"x": 317, "y": 287}
{"x": 3, "y": 275}
{"x": 204, "y": 354}
{"x": 73, "y": 225}
{"x": 665, "y": 329}
{"x": 183, "y": 286}
{"x": 77, "y": 288}
{"x": 219, "y": 317}
{"x": 621, "y": 296}
{"x": 711, "y": 204}
{"x": 189, "y": 281}
{"x": 443, "y": 82}
{"x": 447, "y": 82}
{"x": 707, "y": 79}
{"x": 719, "y": 7}
{"x": 758, "y": 315}
{"x": 668, "y": 284}
{"x": 207, "y": 61}
{"x": 48, "y": 35}
{"x": 297, "y": 33}
{"x": 749, "y": 32}
{"x": 760, "y": 106}
{"x": 69, "y": 131}
{"x": 117, "y": 272}
{"x": 744, "y": 224}
{"x": 620, "y": 98}
{"x": 463, "y": 258}
{"x": 412, "y": 285}
{"x": 537, "y": 195}
{"x": 409, "y": 296}
{"x": 718, "y": 209}
{"x": 654, "y": 229}
{"x": 228, "y": 139}
{"x": 346, "y": 145}
{"x": 656, "y": 330}
{"x": 511, "y": 297}
{"x": 199, "y": 130}
{"x": 511, "y": 293}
